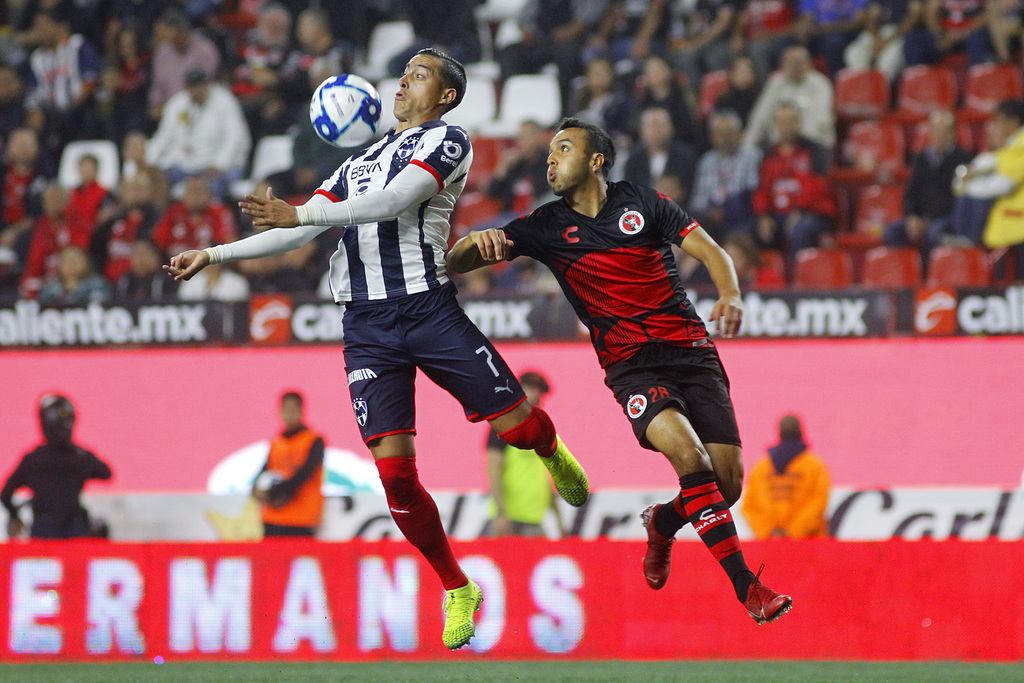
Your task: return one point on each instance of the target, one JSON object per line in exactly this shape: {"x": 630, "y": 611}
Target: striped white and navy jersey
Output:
{"x": 58, "y": 75}
{"x": 403, "y": 256}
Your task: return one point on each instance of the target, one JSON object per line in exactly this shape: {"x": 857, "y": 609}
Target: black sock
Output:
{"x": 668, "y": 521}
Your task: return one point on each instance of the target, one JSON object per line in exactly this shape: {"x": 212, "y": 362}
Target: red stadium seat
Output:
{"x": 861, "y": 94}
{"x": 988, "y": 85}
{"x": 892, "y": 268}
{"x": 923, "y": 89}
{"x": 486, "y": 151}
{"x": 711, "y": 88}
{"x": 950, "y": 266}
{"x": 822, "y": 269}
{"x": 775, "y": 261}
{"x": 877, "y": 206}
{"x": 873, "y": 151}
{"x": 473, "y": 209}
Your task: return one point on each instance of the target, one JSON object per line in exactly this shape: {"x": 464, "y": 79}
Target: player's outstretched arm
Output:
{"x": 728, "y": 312}
{"x": 478, "y": 249}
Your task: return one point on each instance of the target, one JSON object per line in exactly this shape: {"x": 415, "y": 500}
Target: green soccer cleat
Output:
{"x": 459, "y": 605}
{"x": 569, "y": 477}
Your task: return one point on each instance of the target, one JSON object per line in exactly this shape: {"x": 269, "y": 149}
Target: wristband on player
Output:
{"x": 216, "y": 254}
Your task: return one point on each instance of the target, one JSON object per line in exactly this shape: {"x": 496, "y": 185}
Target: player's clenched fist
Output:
{"x": 186, "y": 264}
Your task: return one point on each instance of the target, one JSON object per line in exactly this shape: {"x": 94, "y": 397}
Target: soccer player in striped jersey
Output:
{"x": 394, "y": 200}
{"x": 609, "y": 247}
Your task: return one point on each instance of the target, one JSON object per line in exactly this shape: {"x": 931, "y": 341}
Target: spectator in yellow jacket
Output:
{"x": 787, "y": 492}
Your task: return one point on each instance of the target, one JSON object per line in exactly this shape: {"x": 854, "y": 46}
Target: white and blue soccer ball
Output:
{"x": 345, "y": 110}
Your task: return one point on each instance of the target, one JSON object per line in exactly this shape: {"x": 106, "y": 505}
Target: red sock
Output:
{"x": 535, "y": 433}
{"x": 415, "y": 513}
{"x": 701, "y": 503}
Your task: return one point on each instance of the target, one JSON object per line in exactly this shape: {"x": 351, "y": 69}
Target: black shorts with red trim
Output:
{"x": 690, "y": 378}
{"x": 386, "y": 341}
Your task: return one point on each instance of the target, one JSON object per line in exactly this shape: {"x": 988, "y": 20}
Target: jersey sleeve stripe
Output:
{"x": 328, "y": 195}
{"x": 688, "y": 229}
{"x": 427, "y": 167}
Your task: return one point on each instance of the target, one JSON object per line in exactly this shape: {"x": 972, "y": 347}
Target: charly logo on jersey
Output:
{"x": 631, "y": 222}
{"x": 362, "y": 411}
{"x": 452, "y": 150}
{"x": 636, "y": 406}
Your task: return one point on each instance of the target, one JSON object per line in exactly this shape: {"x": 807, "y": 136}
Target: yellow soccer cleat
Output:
{"x": 569, "y": 477}
{"x": 459, "y": 605}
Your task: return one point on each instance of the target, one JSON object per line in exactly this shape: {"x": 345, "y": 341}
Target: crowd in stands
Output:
{"x": 791, "y": 129}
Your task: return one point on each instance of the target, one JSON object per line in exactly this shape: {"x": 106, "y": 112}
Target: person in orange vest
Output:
{"x": 787, "y": 491}
{"x": 288, "y": 486}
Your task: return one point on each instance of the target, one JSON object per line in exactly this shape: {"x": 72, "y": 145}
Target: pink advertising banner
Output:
{"x": 882, "y": 413}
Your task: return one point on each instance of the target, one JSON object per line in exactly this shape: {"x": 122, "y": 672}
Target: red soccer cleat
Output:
{"x": 764, "y": 604}
{"x": 658, "y": 559}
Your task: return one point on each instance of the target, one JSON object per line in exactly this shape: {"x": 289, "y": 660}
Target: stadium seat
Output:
{"x": 877, "y": 206}
{"x": 950, "y": 266}
{"x": 486, "y": 152}
{"x": 273, "y": 154}
{"x": 473, "y": 209}
{"x": 478, "y": 107}
{"x": 873, "y": 151}
{"x": 923, "y": 89}
{"x": 775, "y": 261}
{"x": 892, "y": 268}
{"x": 861, "y": 94}
{"x": 822, "y": 269}
{"x": 386, "y": 41}
{"x": 526, "y": 97}
{"x": 988, "y": 85}
{"x": 106, "y": 154}
{"x": 711, "y": 88}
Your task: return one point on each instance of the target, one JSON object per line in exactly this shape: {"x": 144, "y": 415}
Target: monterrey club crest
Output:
{"x": 631, "y": 222}
{"x": 362, "y": 411}
{"x": 636, "y": 406}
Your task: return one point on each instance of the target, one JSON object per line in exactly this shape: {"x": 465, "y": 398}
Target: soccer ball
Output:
{"x": 345, "y": 110}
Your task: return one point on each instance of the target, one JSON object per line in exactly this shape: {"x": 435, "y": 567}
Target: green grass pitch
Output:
{"x": 539, "y": 671}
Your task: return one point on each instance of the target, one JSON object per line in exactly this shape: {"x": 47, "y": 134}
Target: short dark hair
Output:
{"x": 1011, "y": 109}
{"x": 598, "y": 141}
{"x": 292, "y": 396}
{"x": 532, "y": 378}
{"x": 453, "y": 74}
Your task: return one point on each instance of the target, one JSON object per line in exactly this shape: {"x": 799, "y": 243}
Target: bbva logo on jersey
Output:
{"x": 631, "y": 222}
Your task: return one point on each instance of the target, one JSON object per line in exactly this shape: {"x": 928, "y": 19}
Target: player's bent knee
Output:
{"x": 535, "y": 433}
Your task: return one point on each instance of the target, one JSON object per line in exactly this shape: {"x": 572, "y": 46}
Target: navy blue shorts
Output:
{"x": 385, "y": 342}
{"x": 689, "y": 378}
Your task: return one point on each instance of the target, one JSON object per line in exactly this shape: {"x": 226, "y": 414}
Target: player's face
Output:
{"x": 569, "y": 165}
{"x": 420, "y": 89}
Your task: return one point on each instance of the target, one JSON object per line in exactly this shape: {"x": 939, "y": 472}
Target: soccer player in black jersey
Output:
{"x": 609, "y": 246}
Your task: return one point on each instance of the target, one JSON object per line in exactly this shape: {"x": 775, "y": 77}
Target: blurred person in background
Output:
{"x": 202, "y": 131}
{"x": 742, "y": 90}
{"x": 827, "y": 27}
{"x": 658, "y": 87}
{"x": 178, "y": 50}
{"x": 89, "y": 201}
{"x": 195, "y": 222}
{"x": 255, "y": 82}
{"x": 24, "y": 177}
{"x": 133, "y": 160}
{"x": 522, "y": 169}
{"x": 708, "y": 40}
{"x": 809, "y": 91}
{"x": 787, "y": 491}
{"x": 12, "y": 100}
{"x": 64, "y": 76}
{"x": 727, "y": 175}
{"x": 124, "y": 85}
{"x": 601, "y": 100}
{"x": 950, "y": 27}
{"x": 76, "y": 281}
{"x": 53, "y": 231}
{"x": 292, "y": 504}
{"x": 658, "y": 153}
{"x": 928, "y": 201}
{"x": 766, "y": 29}
{"x": 629, "y": 33}
{"x": 133, "y": 217}
{"x": 447, "y": 25}
{"x": 144, "y": 280}
{"x": 880, "y": 44}
{"x": 318, "y": 51}
{"x": 520, "y": 487}
{"x": 55, "y": 472}
{"x": 794, "y": 203}
{"x": 551, "y": 32}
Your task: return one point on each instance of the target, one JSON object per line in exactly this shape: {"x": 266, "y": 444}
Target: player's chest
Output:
{"x": 374, "y": 171}
{"x": 624, "y": 228}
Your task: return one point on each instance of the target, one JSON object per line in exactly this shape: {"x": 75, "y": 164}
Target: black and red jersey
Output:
{"x": 617, "y": 269}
